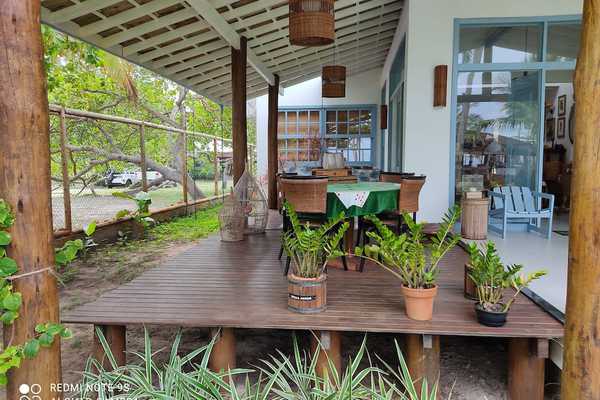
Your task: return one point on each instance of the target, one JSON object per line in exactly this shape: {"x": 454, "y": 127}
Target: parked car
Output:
{"x": 128, "y": 178}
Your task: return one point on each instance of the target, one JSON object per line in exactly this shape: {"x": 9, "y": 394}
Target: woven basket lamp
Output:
{"x": 311, "y": 22}
{"x": 333, "y": 81}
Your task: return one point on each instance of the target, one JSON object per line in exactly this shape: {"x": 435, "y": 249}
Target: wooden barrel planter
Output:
{"x": 474, "y": 222}
{"x": 470, "y": 288}
{"x": 307, "y": 295}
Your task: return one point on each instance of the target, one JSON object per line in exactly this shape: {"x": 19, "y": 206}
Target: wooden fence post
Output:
{"x": 216, "y": 167}
{"x": 25, "y": 186}
{"x": 143, "y": 158}
{"x": 238, "y": 109}
{"x": 581, "y": 373}
{"x": 64, "y": 159}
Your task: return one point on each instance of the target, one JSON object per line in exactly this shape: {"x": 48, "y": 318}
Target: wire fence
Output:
{"x": 99, "y": 163}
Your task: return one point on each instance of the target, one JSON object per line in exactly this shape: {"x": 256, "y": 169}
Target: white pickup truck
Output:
{"x": 128, "y": 178}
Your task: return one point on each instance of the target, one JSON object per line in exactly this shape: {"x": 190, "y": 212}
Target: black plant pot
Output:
{"x": 494, "y": 319}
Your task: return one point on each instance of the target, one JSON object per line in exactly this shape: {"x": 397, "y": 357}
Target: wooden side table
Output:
{"x": 474, "y": 218}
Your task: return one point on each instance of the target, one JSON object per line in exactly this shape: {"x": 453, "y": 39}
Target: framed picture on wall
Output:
{"x": 550, "y": 129}
{"x": 562, "y": 105}
{"x": 560, "y": 127}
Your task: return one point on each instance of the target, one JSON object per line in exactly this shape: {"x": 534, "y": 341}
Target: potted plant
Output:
{"x": 491, "y": 279}
{"x": 309, "y": 249}
{"x": 413, "y": 258}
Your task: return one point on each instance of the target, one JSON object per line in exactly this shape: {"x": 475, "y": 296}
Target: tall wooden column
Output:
{"x": 273, "y": 154}
{"x": 423, "y": 358}
{"x": 238, "y": 109}
{"x": 581, "y": 373}
{"x": 25, "y": 185}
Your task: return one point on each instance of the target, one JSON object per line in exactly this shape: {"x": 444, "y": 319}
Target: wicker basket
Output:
{"x": 333, "y": 81}
{"x": 231, "y": 219}
{"x": 253, "y": 202}
{"x": 311, "y": 22}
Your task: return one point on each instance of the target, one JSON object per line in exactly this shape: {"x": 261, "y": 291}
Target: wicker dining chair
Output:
{"x": 308, "y": 196}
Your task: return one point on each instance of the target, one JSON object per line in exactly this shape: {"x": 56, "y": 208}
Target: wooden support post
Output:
{"x": 25, "y": 186}
{"x": 143, "y": 167}
{"x": 238, "y": 109}
{"x": 581, "y": 373}
{"x": 331, "y": 345}
{"x": 272, "y": 151}
{"x": 64, "y": 160}
{"x": 184, "y": 170}
{"x": 222, "y": 357}
{"x": 116, "y": 337}
{"x": 525, "y": 370}
{"x": 423, "y": 358}
{"x": 216, "y": 166}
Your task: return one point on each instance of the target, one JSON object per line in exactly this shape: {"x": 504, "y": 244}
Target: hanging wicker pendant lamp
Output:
{"x": 333, "y": 81}
{"x": 311, "y": 22}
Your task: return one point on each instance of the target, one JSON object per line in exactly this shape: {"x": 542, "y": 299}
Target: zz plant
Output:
{"x": 10, "y": 304}
{"x": 311, "y": 248}
{"x": 409, "y": 256}
{"x": 492, "y": 278}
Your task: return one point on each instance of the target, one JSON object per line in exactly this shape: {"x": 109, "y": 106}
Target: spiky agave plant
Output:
{"x": 181, "y": 377}
{"x": 409, "y": 256}
{"x": 311, "y": 248}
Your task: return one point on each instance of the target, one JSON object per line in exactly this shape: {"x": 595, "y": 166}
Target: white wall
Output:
{"x": 363, "y": 88}
{"x": 430, "y": 34}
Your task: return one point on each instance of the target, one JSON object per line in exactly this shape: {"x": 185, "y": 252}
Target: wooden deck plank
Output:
{"x": 241, "y": 285}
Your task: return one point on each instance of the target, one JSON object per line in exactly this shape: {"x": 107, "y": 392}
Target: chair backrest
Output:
{"x": 307, "y": 195}
{"x": 410, "y": 188}
{"x": 394, "y": 177}
{"x": 518, "y": 199}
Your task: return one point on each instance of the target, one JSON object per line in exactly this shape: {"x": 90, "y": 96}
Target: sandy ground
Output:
{"x": 471, "y": 368}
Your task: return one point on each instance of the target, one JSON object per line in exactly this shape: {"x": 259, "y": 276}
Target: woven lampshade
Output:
{"x": 311, "y": 22}
{"x": 333, "y": 81}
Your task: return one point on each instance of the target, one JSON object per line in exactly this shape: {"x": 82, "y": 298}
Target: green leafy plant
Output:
{"x": 311, "y": 248}
{"x": 10, "y": 304}
{"x": 281, "y": 376}
{"x": 491, "y": 277}
{"x": 142, "y": 214}
{"x": 67, "y": 253}
{"x": 88, "y": 242}
{"x": 410, "y": 256}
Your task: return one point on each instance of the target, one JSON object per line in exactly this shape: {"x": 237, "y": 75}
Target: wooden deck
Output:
{"x": 241, "y": 285}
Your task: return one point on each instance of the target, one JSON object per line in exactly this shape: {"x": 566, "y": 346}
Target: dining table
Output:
{"x": 358, "y": 200}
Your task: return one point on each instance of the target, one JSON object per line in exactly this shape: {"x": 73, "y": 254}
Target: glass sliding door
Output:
{"x": 497, "y": 129}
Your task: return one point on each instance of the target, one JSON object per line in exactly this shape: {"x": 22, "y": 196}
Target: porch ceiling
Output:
{"x": 188, "y": 41}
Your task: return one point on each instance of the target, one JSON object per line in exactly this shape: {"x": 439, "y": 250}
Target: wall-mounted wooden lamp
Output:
{"x": 440, "y": 85}
{"x": 383, "y": 116}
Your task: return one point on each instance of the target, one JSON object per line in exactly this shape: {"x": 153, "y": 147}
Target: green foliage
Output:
{"x": 492, "y": 277}
{"x": 280, "y": 376}
{"x": 408, "y": 255}
{"x": 142, "y": 214}
{"x": 192, "y": 227}
{"x": 68, "y": 252}
{"x": 311, "y": 248}
{"x": 10, "y": 304}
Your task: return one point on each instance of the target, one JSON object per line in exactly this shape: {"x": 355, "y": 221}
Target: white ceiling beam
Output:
{"x": 210, "y": 14}
{"x": 77, "y": 10}
{"x": 147, "y": 27}
{"x": 126, "y": 16}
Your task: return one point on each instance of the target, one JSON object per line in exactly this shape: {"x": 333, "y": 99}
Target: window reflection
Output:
{"x": 500, "y": 44}
{"x": 497, "y": 125}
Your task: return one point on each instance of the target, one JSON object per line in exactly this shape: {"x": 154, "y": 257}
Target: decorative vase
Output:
{"x": 419, "y": 302}
{"x": 307, "y": 295}
{"x": 470, "y": 288}
{"x": 493, "y": 319}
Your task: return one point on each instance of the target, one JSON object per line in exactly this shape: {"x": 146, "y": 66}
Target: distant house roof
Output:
{"x": 189, "y": 41}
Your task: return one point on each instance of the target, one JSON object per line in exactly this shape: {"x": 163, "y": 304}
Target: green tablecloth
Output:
{"x": 382, "y": 197}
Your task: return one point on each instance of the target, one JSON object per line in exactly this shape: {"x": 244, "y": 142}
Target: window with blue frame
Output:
{"x": 305, "y": 133}
{"x": 498, "y": 114}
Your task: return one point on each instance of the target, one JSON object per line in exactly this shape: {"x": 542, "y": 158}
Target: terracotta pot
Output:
{"x": 307, "y": 295}
{"x": 419, "y": 302}
{"x": 470, "y": 287}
